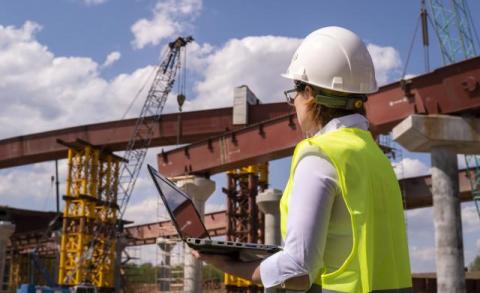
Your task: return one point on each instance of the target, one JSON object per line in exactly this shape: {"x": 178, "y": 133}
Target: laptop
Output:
{"x": 191, "y": 229}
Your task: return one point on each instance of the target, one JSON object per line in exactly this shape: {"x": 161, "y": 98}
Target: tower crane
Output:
{"x": 453, "y": 25}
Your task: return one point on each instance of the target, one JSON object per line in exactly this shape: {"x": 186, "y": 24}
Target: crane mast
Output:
{"x": 144, "y": 128}
{"x": 454, "y": 28}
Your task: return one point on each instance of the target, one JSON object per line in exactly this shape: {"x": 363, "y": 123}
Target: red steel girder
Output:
{"x": 452, "y": 89}
{"x": 148, "y": 233}
{"x": 194, "y": 126}
{"x": 417, "y": 191}
{"x": 264, "y": 142}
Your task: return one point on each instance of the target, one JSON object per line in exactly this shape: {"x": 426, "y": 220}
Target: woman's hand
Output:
{"x": 221, "y": 262}
{"x": 245, "y": 270}
{"x": 248, "y": 270}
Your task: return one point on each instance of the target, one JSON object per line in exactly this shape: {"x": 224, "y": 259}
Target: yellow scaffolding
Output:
{"x": 87, "y": 251}
{"x": 22, "y": 270}
{"x": 261, "y": 171}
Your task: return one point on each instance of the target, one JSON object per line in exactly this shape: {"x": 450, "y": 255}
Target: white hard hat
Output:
{"x": 334, "y": 58}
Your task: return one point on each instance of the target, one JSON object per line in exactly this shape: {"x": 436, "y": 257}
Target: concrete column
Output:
{"x": 269, "y": 203}
{"x": 447, "y": 221}
{"x": 199, "y": 189}
{"x": 164, "y": 276}
{"x": 444, "y": 136}
{"x": 6, "y": 230}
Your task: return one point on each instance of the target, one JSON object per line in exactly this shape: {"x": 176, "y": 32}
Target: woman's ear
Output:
{"x": 309, "y": 92}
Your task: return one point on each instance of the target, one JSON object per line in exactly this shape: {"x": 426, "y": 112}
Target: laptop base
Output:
{"x": 245, "y": 252}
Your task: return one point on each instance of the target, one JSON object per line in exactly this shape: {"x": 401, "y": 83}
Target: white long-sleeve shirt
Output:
{"x": 318, "y": 225}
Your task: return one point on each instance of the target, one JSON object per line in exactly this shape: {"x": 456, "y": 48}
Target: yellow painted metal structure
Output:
{"x": 87, "y": 253}
{"x": 22, "y": 270}
{"x": 19, "y": 268}
{"x": 261, "y": 170}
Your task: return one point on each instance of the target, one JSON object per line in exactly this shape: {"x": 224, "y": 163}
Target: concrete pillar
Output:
{"x": 199, "y": 189}
{"x": 6, "y": 230}
{"x": 269, "y": 203}
{"x": 444, "y": 136}
{"x": 164, "y": 277}
{"x": 447, "y": 221}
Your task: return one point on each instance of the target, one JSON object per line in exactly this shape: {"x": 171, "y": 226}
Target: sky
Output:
{"x": 75, "y": 62}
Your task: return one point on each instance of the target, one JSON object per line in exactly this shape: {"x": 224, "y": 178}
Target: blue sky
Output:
{"x": 75, "y": 62}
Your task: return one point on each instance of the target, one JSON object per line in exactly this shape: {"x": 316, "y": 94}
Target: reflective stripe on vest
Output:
{"x": 379, "y": 257}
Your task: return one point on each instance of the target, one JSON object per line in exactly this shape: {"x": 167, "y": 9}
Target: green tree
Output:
{"x": 140, "y": 274}
{"x": 475, "y": 264}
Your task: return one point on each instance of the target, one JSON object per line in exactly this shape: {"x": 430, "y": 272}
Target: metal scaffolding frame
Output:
{"x": 88, "y": 246}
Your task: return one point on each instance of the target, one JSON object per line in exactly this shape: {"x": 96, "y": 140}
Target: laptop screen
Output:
{"x": 185, "y": 217}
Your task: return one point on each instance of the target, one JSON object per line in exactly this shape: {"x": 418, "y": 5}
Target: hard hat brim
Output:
{"x": 291, "y": 77}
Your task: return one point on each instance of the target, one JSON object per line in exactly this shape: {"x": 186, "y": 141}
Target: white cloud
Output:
{"x": 215, "y": 207}
{"x": 112, "y": 58}
{"x": 470, "y": 218}
{"x": 422, "y": 259}
{"x": 423, "y": 253}
{"x": 410, "y": 76}
{"x": 409, "y": 167}
{"x": 258, "y": 61}
{"x": 387, "y": 62}
{"x": 52, "y": 90}
{"x": 38, "y": 182}
{"x": 31, "y": 187}
{"x": 169, "y": 19}
{"x": 93, "y": 2}
{"x": 254, "y": 61}
{"x": 149, "y": 210}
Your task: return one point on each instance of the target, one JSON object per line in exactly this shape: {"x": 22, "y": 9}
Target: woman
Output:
{"x": 341, "y": 211}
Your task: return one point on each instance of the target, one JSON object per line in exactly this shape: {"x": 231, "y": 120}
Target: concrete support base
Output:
{"x": 445, "y": 137}
{"x": 269, "y": 203}
{"x": 199, "y": 189}
{"x": 420, "y": 133}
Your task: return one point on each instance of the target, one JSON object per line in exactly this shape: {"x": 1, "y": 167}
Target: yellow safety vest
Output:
{"x": 379, "y": 257}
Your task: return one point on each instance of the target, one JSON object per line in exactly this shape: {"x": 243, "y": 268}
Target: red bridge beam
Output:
{"x": 193, "y": 126}
{"x": 449, "y": 90}
{"x": 148, "y": 233}
{"x": 417, "y": 192}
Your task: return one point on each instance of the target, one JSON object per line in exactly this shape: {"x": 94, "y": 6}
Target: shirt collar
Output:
{"x": 348, "y": 121}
